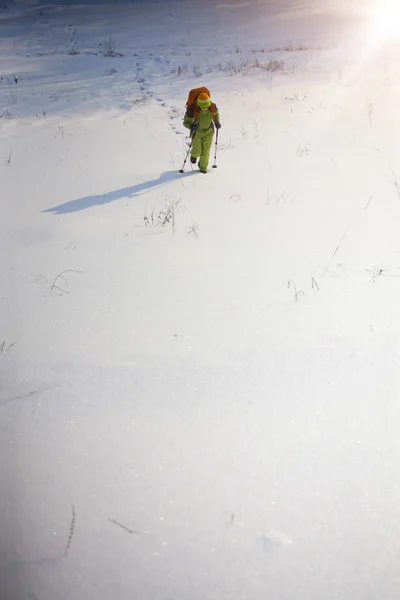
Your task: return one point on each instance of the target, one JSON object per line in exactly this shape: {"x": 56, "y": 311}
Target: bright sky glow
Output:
{"x": 388, "y": 18}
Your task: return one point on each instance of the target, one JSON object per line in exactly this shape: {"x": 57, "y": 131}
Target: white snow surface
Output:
{"x": 199, "y": 375}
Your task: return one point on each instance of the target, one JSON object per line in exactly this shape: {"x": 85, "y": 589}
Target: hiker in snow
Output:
{"x": 201, "y": 116}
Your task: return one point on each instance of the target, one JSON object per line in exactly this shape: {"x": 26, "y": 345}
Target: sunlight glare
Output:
{"x": 388, "y": 18}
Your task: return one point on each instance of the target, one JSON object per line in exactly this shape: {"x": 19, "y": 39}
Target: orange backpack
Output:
{"x": 192, "y": 100}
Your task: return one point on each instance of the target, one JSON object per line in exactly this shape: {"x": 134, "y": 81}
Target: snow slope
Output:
{"x": 199, "y": 375}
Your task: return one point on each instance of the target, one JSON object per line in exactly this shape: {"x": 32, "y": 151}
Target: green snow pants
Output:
{"x": 202, "y": 145}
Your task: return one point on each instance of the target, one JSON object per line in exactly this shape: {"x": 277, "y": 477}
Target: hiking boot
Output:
{"x": 193, "y": 160}
{"x": 203, "y": 170}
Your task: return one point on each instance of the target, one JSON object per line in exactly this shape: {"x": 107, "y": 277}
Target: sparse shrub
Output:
{"x": 107, "y": 48}
{"x": 150, "y": 219}
{"x": 5, "y": 348}
{"x": 289, "y": 47}
{"x": 180, "y": 69}
{"x": 296, "y": 293}
{"x": 6, "y": 114}
{"x": 71, "y": 529}
{"x": 274, "y": 65}
{"x": 193, "y": 230}
{"x": 234, "y": 68}
{"x": 143, "y": 99}
{"x": 197, "y": 71}
{"x": 303, "y": 149}
{"x": 294, "y": 48}
{"x": 14, "y": 98}
{"x": 60, "y": 277}
{"x": 167, "y": 215}
{"x": 110, "y": 71}
{"x": 74, "y": 51}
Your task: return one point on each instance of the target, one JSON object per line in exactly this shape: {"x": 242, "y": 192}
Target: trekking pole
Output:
{"x": 215, "y": 155}
{"x": 187, "y": 154}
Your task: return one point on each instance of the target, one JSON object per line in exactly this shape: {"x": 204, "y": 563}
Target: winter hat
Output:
{"x": 203, "y": 101}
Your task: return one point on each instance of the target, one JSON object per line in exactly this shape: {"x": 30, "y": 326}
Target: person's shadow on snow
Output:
{"x": 128, "y": 192}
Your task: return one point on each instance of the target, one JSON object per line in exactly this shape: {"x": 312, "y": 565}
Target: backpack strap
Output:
{"x": 190, "y": 111}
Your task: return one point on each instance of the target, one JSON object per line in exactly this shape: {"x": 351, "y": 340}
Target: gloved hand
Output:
{"x": 194, "y": 127}
{"x": 218, "y": 125}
